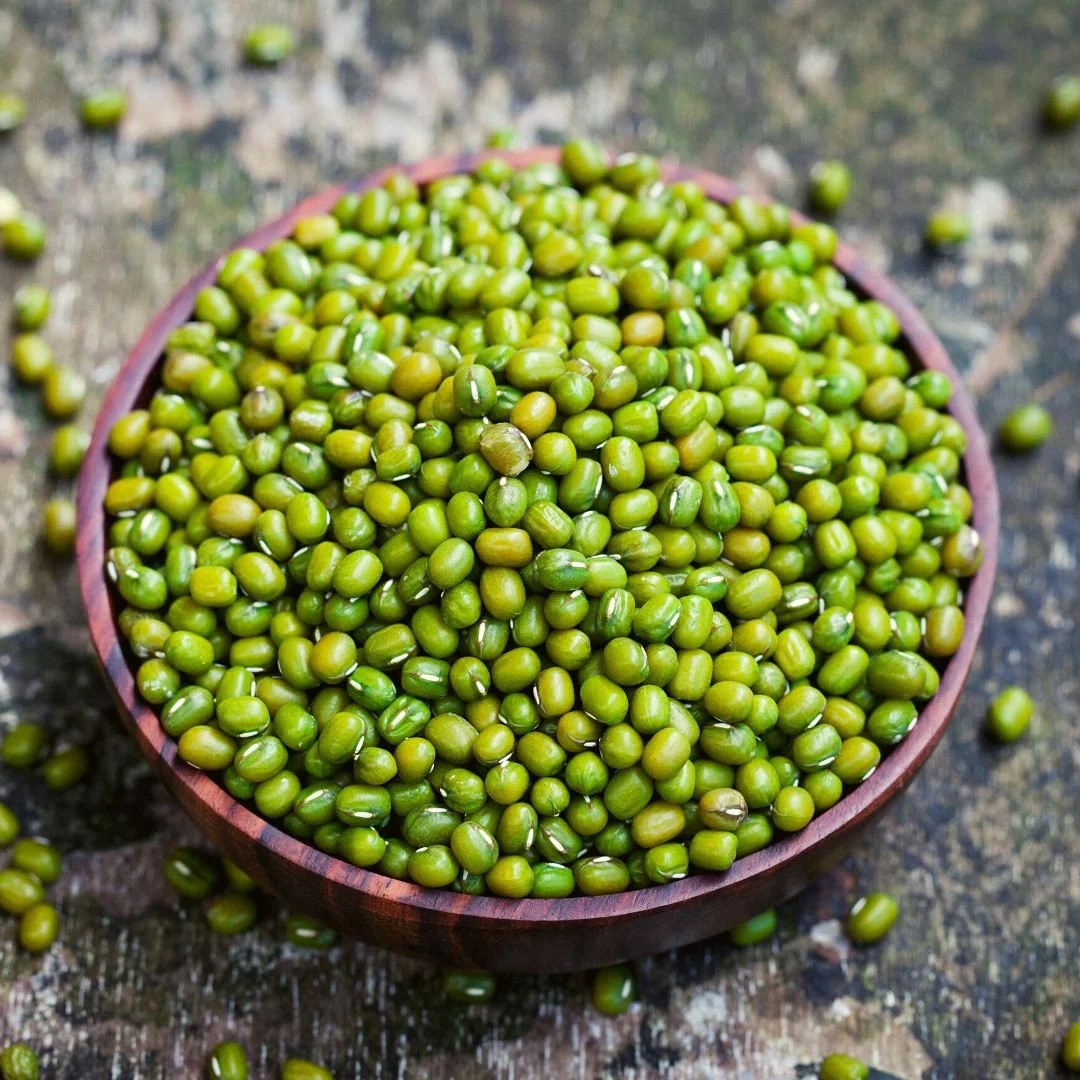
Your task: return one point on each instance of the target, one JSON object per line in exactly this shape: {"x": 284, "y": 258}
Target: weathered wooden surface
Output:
{"x": 938, "y": 100}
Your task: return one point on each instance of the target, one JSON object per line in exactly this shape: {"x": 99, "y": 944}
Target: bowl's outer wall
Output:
{"x": 488, "y": 932}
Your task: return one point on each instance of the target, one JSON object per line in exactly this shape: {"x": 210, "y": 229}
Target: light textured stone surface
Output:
{"x": 928, "y": 102}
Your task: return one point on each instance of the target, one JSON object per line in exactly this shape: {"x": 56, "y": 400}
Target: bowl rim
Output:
{"x": 244, "y": 827}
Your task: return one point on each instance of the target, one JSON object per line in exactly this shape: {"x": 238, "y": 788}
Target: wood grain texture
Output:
{"x": 927, "y": 103}
{"x": 490, "y": 932}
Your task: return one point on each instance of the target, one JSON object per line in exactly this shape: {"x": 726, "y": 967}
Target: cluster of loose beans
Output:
{"x": 33, "y": 866}
{"x": 543, "y": 531}
{"x": 62, "y": 388}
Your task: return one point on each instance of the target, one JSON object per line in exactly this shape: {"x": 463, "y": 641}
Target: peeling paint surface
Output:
{"x": 930, "y": 104}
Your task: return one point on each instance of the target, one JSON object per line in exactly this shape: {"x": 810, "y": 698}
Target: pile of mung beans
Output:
{"x": 544, "y": 531}
{"x": 229, "y": 343}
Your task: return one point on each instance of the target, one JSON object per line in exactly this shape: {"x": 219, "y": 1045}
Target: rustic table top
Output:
{"x": 928, "y": 102}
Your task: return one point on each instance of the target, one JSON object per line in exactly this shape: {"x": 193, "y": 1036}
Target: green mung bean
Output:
{"x": 19, "y": 891}
{"x": 38, "y": 928}
{"x": 1009, "y": 714}
{"x": 1070, "y": 1048}
{"x": 830, "y": 185}
{"x": 69, "y": 446}
{"x": 756, "y": 929}
{"x": 23, "y": 237}
{"x": 65, "y": 768}
{"x": 231, "y": 913}
{"x": 103, "y": 108}
{"x": 31, "y": 307}
{"x": 192, "y": 874}
{"x": 871, "y": 918}
{"x": 300, "y": 1069}
{"x": 842, "y": 1067}
{"x": 24, "y": 745}
{"x": 945, "y": 228}
{"x": 614, "y": 989}
{"x": 227, "y": 1061}
{"x": 468, "y": 987}
{"x": 268, "y": 44}
{"x": 1026, "y": 428}
{"x": 18, "y": 1062}
{"x": 308, "y": 933}
{"x": 12, "y": 112}
{"x": 1062, "y": 106}
{"x": 9, "y": 825}
{"x": 38, "y": 858}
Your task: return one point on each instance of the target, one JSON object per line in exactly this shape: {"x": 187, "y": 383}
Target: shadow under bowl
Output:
{"x": 483, "y": 931}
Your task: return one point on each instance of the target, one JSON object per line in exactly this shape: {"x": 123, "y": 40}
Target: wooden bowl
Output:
{"x": 488, "y": 932}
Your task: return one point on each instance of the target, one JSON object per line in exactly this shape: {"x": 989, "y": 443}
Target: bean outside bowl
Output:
{"x": 490, "y": 932}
